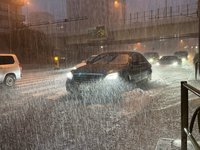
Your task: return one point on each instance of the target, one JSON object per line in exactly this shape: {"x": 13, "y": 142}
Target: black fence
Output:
{"x": 186, "y": 130}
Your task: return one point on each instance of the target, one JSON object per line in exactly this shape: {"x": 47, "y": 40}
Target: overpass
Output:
{"x": 166, "y": 23}
{"x": 141, "y": 32}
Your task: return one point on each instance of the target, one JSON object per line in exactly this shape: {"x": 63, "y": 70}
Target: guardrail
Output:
{"x": 186, "y": 131}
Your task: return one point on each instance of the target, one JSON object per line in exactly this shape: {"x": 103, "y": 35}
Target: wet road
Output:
{"x": 36, "y": 115}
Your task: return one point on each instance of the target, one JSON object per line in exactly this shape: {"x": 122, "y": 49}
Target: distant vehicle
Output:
{"x": 196, "y": 58}
{"x": 169, "y": 60}
{"x": 10, "y": 69}
{"x": 109, "y": 69}
{"x": 152, "y": 57}
{"x": 84, "y": 62}
{"x": 171, "y": 144}
{"x": 183, "y": 55}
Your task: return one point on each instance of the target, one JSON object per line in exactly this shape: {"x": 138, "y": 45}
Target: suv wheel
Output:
{"x": 10, "y": 80}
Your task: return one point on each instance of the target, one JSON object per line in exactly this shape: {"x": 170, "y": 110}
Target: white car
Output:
{"x": 10, "y": 69}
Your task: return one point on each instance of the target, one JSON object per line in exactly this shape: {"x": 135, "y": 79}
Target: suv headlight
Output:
{"x": 175, "y": 63}
{"x": 157, "y": 63}
{"x": 112, "y": 76}
{"x": 151, "y": 60}
{"x": 69, "y": 75}
{"x": 183, "y": 59}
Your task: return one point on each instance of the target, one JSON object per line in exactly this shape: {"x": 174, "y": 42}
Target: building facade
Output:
{"x": 41, "y": 21}
{"x": 10, "y": 19}
{"x": 98, "y": 12}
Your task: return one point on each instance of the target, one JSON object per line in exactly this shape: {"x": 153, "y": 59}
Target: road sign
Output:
{"x": 100, "y": 32}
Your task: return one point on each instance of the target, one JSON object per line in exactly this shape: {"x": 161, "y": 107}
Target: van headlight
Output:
{"x": 69, "y": 75}
{"x": 151, "y": 60}
{"x": 183, "y": 59}
{"x": 112, "y": 76}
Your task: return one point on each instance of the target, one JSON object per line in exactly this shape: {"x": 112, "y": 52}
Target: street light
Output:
{"x": 116, "y": 4}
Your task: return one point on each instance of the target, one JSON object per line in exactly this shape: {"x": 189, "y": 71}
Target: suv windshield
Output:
{"x": 169, "y": 58}
{"x": 115, "y": 59}
{"x": 181, "y": 53}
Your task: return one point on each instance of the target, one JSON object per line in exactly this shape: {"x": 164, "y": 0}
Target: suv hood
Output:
{"x": 99, "y": 69}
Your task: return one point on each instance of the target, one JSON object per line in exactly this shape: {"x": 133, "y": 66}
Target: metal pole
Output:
{"x": 199, "y": 34}
{"x": 197, "y": 65}
{"x": 184, "y": 115}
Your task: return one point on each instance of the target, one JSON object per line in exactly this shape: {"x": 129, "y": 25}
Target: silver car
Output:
{"x": 10, "y": 69}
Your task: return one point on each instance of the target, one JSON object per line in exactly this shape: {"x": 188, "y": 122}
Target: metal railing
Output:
{"x": 186, "y": 131}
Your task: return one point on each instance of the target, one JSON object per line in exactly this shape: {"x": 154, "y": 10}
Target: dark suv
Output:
{"x": 152, "y": 57}
{"x": 183, "y": 55}
{"x": 108, "y": 71}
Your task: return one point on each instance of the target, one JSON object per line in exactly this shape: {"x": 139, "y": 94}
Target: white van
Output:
{"x": 10, "y": 69}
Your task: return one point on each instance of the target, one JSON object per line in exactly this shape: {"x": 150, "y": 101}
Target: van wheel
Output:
{"x": 10, "y": 80}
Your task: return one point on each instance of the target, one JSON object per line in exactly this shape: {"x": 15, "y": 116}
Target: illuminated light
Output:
{"x": 183, "y": 59}
{"x": 101, "y": 47}
{"x": 192, "y": 47}
{"x": 116, "y": 4}
{"x": 160, "y": 57}
{"x": 196, "y": 47}
{"x": 175, "y": 64}
{"x": 189, "y": 56}
{"x": 56, "y": 58}
{"x": 69, "y": 75}
{"x": 181, "y": 41}
{"x": 151, "y": 60}
{"x": 112, "y": 76}
{"x": 157, "y": 64}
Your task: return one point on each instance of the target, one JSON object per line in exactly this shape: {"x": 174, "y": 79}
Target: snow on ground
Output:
{"x": 37, "y": 114}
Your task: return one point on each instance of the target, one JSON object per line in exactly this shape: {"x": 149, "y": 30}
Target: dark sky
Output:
{"x": 58, "y": 7}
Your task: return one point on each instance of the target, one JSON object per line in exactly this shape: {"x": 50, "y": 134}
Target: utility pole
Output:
{"x": 166, "y": 7}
